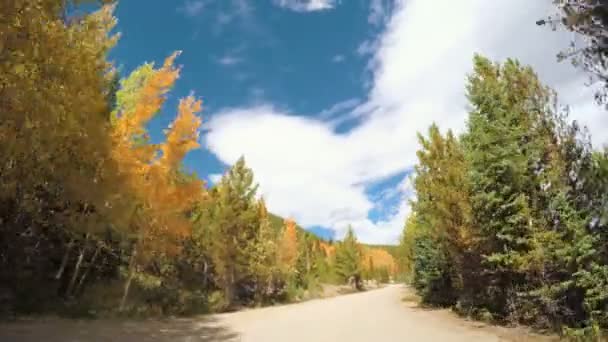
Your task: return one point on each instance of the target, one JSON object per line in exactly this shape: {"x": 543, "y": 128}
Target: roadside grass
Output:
{"x": 411, "y": 298}
{"x": 476, "y": 321}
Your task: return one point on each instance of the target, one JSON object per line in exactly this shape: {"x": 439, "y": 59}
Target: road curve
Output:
{"x": 377, "y": 315}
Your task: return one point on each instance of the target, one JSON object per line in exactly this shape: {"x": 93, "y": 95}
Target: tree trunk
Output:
{"x": 205, "y": 269}
{"x": 86, "y": 272}
{"x": 123, "y": 301}
{"x": 229, "y": 290}
{"x": 307, "y": 261}
{"x": 64, "y": 261}
{"x": 76, "y": 270}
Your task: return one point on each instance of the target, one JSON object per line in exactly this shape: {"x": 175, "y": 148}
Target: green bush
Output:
{"x": 218, "y": 302}
{"x": 432, "y": 273}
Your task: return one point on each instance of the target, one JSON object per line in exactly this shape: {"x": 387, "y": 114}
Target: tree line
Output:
{"x": 509, "y": 222}
{"x": 510, "y": 218}
{"x": 96, "y": 218}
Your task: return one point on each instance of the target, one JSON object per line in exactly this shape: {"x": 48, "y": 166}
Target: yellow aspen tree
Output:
{"x": 54, "y": 140}
{"x": 263, "y": 254}
{"x": 377, "y": 258}
{"x": 288, "y": 247}
{"x": 160, "y": 198}
{"x": 56, "y": 168}
{"x": 328, "y": 249}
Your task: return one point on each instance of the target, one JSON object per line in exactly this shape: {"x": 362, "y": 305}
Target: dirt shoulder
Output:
{"x": 411, "y": 301}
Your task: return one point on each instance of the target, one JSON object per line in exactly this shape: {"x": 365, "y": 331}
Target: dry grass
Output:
{"x": 411, "y": 298}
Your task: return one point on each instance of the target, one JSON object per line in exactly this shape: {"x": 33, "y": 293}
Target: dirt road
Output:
{"x": 378, "y": 315}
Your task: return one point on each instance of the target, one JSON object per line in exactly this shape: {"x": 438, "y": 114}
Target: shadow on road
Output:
{"x": 206, "y": 329}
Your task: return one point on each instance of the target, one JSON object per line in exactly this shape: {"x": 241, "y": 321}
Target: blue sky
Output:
{"x": 324, "y": 98}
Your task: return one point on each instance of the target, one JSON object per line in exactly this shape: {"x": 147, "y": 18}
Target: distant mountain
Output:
{"x": 277, "y": 222}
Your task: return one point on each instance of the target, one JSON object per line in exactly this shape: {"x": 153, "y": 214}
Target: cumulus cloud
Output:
{"x": 309, "y": 171}
{"x": 294, "y": 143}
{"x": 306, "y": 5}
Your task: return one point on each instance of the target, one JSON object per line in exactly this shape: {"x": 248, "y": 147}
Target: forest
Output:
{"x": 510, "y": 219}
{"x": 509, "y": 222}
{"x": 95, "y": 219}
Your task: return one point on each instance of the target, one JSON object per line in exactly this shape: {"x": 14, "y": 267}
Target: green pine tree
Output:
{"x": 443, "y": 212}
{"x": 233, "y": 224}
{"x": 348, "y": 258}
{"x": 507, "y": 153}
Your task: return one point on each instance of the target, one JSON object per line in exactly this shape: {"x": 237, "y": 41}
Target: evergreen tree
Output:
{"x": 511, "y": 221}
{"x": 570, "y": 254}
{"x": 443, "y": 212}
{"x": 348, "y": 259}
{"x": 503, "y": 154}
{"x": 233, "y": 226}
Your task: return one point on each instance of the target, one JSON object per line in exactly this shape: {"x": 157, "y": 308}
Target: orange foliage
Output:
{"x": 329, "y": 250}
{"x": 161, "y": 199}
{"x": 131, "y": 124}
{"x": 183, "y": 135}
{"x": 380, "y": 258}
{"x": 288, "y": 249}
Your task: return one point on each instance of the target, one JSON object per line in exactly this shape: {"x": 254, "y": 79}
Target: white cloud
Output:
{"x": 339, "y": 108}
{"x": 367, "y": 47}
{"x": 229, "y": 60}
{"x": 306, "y": 5}
{"x": 215, "y": 178}
{"x": 308, "y": 171}
{"x": 240, "y": 10}
{"x": 338, "y": 58}
{"x": 295, "y": 142}
{"x": 192, "y": 8}
{"x": 379, "y": 11}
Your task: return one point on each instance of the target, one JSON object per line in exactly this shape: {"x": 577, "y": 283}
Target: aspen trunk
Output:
{"x": 64, "y": 261}
{"x": 229, "y": 291}
{"x": 205, "y": 268}
{"x": 308, "y": 266}
{"x": 76, "y": 271}
{"x": 125, "y": 294}
{"x": 86, "y": 272}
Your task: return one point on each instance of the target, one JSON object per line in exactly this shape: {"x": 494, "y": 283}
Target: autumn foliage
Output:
{"x": 98, "y": 214}
{"x": 374, "y": 259}
{"x": 160, "y": 199}
{"x": 151, "y": 171}
{"x": 288, "y": 250}
{"x": 328, "y": 250}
